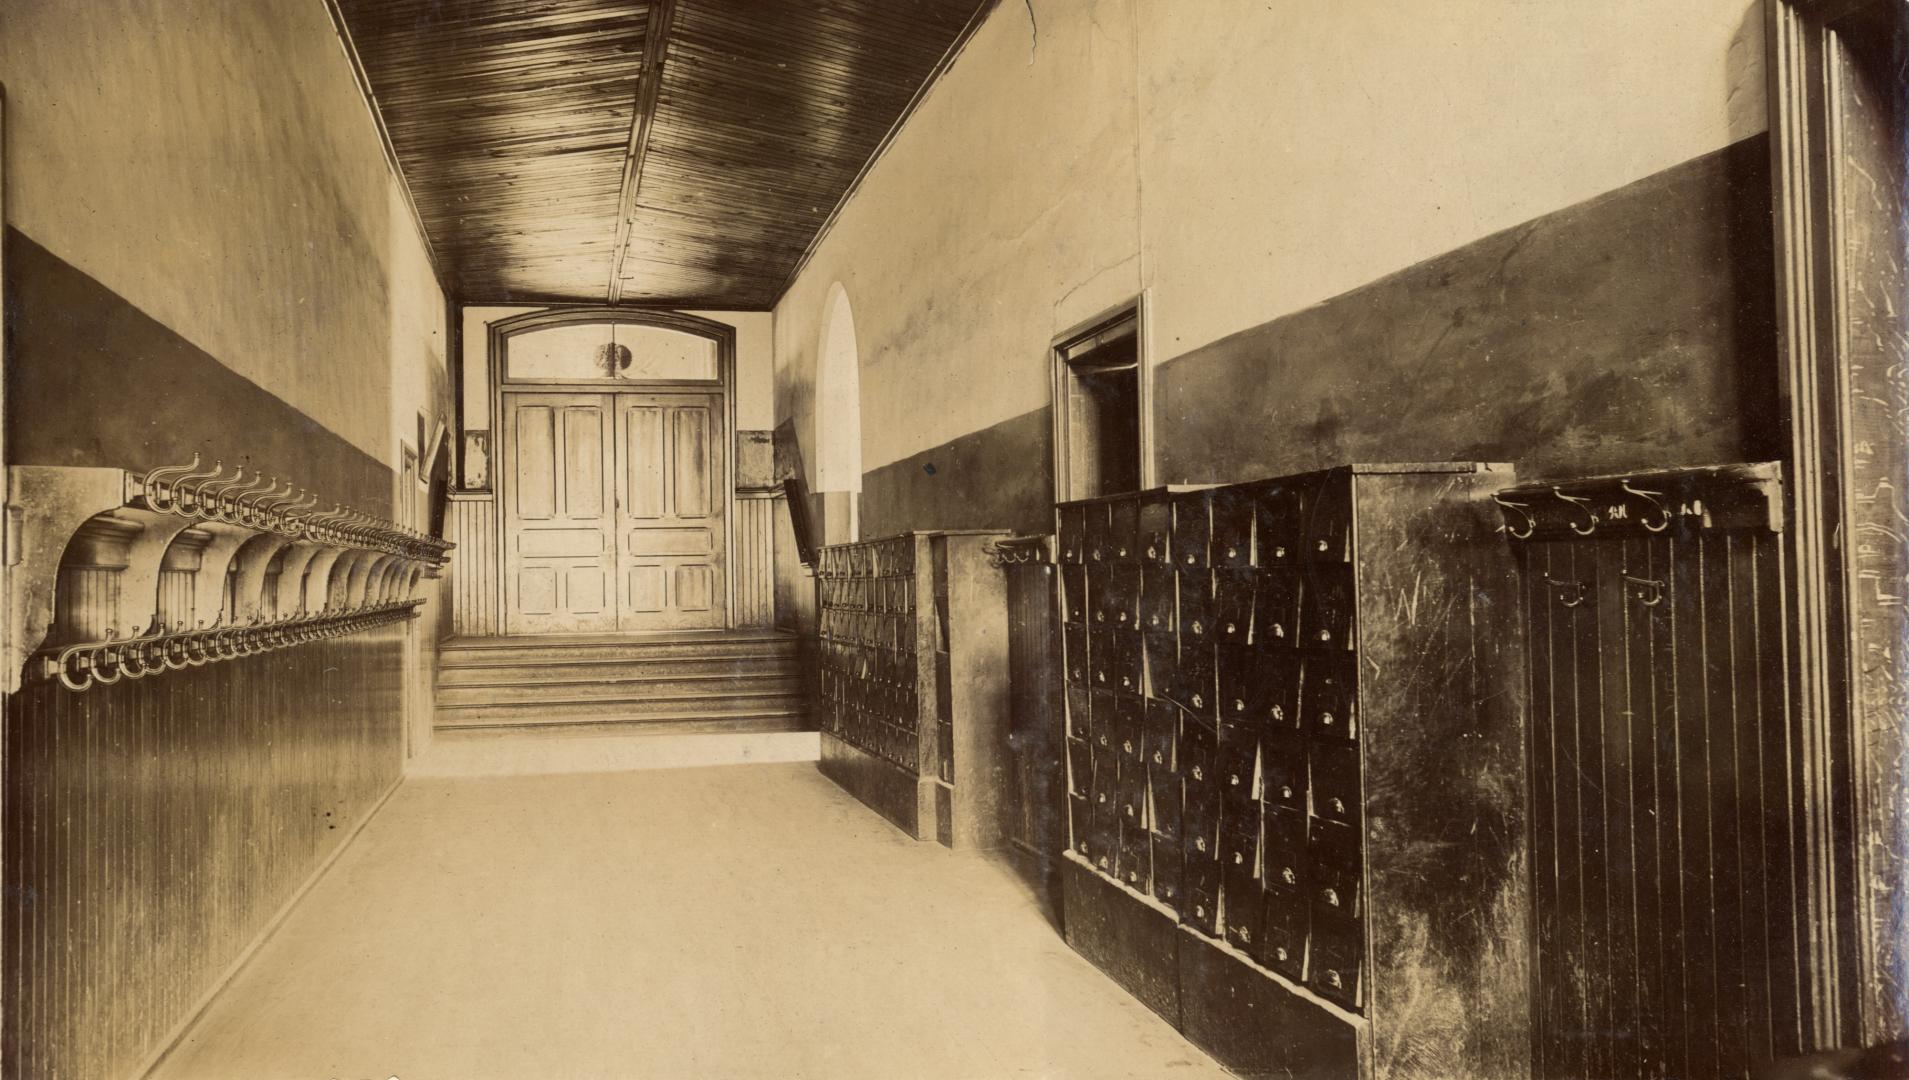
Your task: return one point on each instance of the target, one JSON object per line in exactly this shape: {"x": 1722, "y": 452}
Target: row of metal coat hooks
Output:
{"x": 80, "y": 667}
{"x": 264, "y": 503}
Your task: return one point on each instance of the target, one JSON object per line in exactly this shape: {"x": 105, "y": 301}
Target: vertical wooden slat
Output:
{"x": 1619, "y": 954}
{"x": 1651, "y": 964}
{"x": 1726, "y": 876}
{"x": 1746, "y": 821}
{"x": 1694, "y": 884}
{"x": 1593, "y": 912}
{"x": 1550, "y": 1061}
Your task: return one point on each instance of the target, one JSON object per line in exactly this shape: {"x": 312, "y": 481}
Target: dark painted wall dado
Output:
{"x": 92, "y": 380}
{"x": 1629, "y": 331}
{"x": 1001, "y": 477}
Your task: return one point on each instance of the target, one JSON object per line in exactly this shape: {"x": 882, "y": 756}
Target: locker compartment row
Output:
{"x": 1312, "y": 933}
{"x": 892, "y": 594}
{"x": 855, "y": 664}
{"x": 896, "y": 702}
{"x": 1313, "y": 692}
{"x": 1272, "y": 789}
{"x": 882, "y": 630}
{"x": 873, "y": 731}
{"x": 1267, "y": 523}
{"x": 874, "y": 558}
{"x": 1281, "y": 606}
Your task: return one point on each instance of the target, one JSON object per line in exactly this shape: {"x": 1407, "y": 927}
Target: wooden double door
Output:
{"x": 615, "y": 512}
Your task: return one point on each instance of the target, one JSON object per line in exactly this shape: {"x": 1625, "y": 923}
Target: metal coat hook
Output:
{"x": 1651, "y": 497}
{"x": 161, "y": 485}
{"x": 1638, "y": 586}
{"x": 1523, "y": 511}
{"x": 1583, "y": 506}
{"x": 1569, "y": 593}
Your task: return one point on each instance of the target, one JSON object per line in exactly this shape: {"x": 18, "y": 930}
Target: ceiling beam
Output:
{"x": 648, "y": 84}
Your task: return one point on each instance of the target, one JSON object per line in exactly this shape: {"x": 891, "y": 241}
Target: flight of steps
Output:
{"x": 716, "y": 681}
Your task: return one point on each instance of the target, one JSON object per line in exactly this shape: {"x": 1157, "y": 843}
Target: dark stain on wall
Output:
{"x": 95, "y": 381}
{"x": 1633, "y": 330}
{"x": 1001, "y": 477}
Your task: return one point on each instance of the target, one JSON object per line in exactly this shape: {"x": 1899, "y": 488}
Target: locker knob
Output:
{"x": 1239, "y": 705}
{"x": 1323, "y": 546}
{"x": 1279, "y": 630}
{"x": 1279, "y": 712}
{"x": 1234, "y": 779}
{"x": 1246, "y": 933}
{"x": 1197, "y": 627}
{"x": 1189, "y": 558}
{"x": 1127, "y": 746}
{"x": 1331, "y": 896}
{"x": 1333, "y": 978}
{"x": 1199, "y": 701}
{"x": 1325, "y": 718}
{"x": 1103, "y": 797}
{"x": 1154, "y": 620}
{"x": 1133, "y": 876}
{"x": 1279, "y": 953}
{"x": 1238, "y": 858}
{"x": 1104, "y": 864}
{"x": 1279, "y": 552}
{"x": 1199, "y": 773}
{"x": 1286, "y": 874}
{"x": 1285, "y": 791}
{"x": 1200, "y": 910}
{"x": 1325, "y": 635}
{"x": 1232, "y": 628}
{"x": 1199, "y": 843}
{"x": 1153, "y": 552}
{"x": 1159, "y": 758}
{"x": 1338, "y": 806}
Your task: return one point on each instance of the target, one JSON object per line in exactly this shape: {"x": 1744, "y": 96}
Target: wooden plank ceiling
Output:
{"x": 680, "y": 152}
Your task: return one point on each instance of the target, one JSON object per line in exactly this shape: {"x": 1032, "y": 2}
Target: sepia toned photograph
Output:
{"x": 954, "y": 539}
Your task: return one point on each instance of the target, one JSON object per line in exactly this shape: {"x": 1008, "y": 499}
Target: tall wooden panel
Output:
{"x": 753, "y": 556}
{"x": 472, "y": 526}
{"x": 1668, "y": 848}
{"x": 559, "y": 521}
{"x": 154, "y": 827}
{"x": 672, "y": 537}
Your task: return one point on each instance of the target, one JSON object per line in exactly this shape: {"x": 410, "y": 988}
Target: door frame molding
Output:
{"x": 1855, "y": 1002}
{"x": 496, "y": 356}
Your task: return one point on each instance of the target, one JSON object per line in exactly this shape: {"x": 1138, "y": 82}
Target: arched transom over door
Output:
{"x": 615, "y": 472}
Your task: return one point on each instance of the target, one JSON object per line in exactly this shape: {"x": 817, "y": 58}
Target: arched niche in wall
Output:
{"x": 838, "y": 418}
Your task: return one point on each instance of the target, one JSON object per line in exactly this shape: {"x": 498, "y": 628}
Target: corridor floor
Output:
{"x": 746, "y": 921}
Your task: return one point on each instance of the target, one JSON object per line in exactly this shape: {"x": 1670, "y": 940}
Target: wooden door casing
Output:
{"x": 672, "y": 534}
{"x": 560, "y": 550}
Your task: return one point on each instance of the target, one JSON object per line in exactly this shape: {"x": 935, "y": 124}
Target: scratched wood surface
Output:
{"x": 154, "y": 827}
{"x": 1871, "y": 213}
{"x": 1669, "y": 886}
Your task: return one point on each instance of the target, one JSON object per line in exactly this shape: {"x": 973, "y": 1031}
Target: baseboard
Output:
{"x": 184, "y": 1027}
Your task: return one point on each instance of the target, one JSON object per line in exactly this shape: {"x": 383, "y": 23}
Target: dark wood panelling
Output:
{"x": 1669, "y": 884}
{"x": 999, "y": 477}
{"x": 1038, "y": 823}
{"x": 514, "y": 125}
{"x": 1631, "y": 331}
{"x": 153, "y": 829}
{"x": 94, "y": 381}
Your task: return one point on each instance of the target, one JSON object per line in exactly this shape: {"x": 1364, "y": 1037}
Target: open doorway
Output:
{"x": 1101, "y": 408}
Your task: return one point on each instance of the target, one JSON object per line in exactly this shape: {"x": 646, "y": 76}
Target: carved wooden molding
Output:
{"x": 117, "y": 575}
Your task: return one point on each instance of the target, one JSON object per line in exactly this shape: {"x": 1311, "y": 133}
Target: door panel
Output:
{"x": 670, "y": 528}
{"x": 560, "y": 547}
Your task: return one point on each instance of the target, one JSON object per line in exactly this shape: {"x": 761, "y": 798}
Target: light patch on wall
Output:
{"x": 838, "y": 456}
